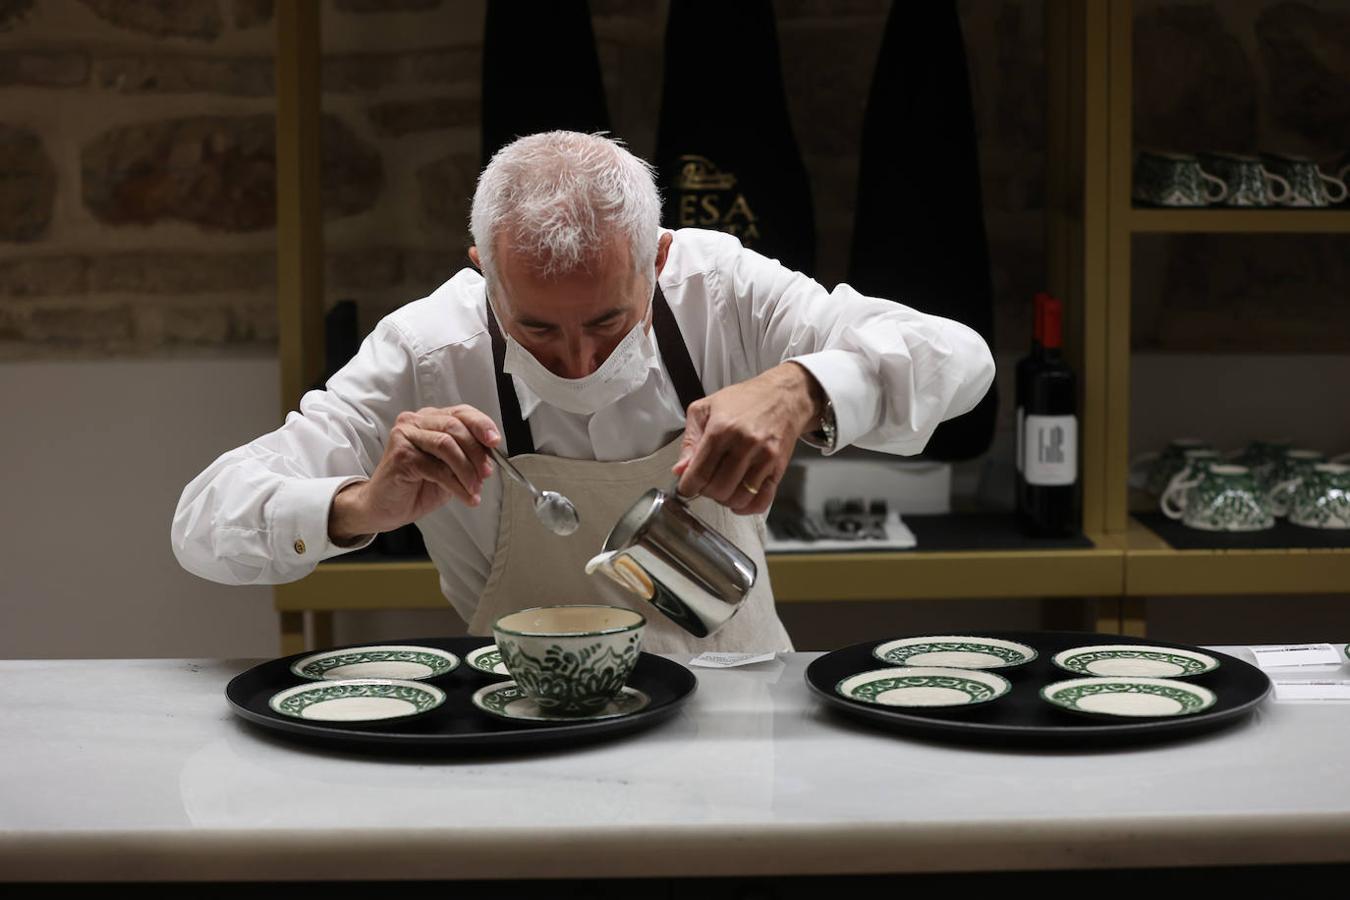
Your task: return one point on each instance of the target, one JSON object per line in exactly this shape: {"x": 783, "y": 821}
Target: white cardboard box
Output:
{"x": 909, "y": 487}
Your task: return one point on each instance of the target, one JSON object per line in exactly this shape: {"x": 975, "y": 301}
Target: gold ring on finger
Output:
{"x": 749, "y": 489}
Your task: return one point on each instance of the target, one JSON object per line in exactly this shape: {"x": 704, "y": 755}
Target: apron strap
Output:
{"x": 675, "y": 352}
{"x": 519, "y": 438}
{"x": 669, "y": 340}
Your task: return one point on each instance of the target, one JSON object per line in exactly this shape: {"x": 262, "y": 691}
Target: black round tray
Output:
{"x": 457, "y": 725}
{"x": 1022, "y": 718}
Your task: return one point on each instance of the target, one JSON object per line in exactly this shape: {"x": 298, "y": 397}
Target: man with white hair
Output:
{"x": 605, "y": 355}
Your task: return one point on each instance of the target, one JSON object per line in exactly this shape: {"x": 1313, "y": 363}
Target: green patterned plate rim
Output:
{"x": 1124, "y": 697}
{"x": 923, "y": 686}
{"x": 506, "y": 700}
{"x": 1134, "y": 660}
{"x": 954, "y": 651}
{"x": 401, "y": 662}
{"x": 357, "y": 700}
{"x": 487, "y": 660}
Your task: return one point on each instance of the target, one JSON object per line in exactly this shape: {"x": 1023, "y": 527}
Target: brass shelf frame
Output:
{"x": 1090, "y": 222}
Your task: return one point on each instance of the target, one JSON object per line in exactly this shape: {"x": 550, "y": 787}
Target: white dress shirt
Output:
{"x": 259, "y": 513}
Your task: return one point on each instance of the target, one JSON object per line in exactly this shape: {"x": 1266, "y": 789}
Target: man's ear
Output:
{"x": 473, "y": 257}
{"x": 662, "y": 251}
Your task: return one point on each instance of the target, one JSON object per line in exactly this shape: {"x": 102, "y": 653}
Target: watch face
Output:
{"x": 827, "y": 423}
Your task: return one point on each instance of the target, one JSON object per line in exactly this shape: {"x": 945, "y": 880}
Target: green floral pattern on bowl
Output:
{"x": 975, "y": 690}
{"x": 930, "y": 687}
{"x": 510, "y": 702}
{"x": 420, "y": 698}
{"x": 1080, "y": 662}
{"x": 567, "y": 681}
{"x": 1190, "y": 701}
{"x": 437, "y": 663}
{"x": 488, "y": 660}
{"x": 1011, "y": 656}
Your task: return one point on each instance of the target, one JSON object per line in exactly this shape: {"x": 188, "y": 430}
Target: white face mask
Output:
{"x": 626, "y": 370}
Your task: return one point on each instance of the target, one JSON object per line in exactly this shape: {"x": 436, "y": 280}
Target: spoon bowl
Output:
{"x": 554, "y": 510}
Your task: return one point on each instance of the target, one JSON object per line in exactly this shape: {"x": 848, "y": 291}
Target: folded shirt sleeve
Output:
{"x": 892, "y": 373}
{"x": 259, "y": 513}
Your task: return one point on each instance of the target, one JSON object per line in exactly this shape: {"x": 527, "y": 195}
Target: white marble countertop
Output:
{"x": 137, "y": 770}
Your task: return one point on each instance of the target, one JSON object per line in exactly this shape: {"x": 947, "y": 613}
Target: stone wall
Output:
{"x": 137, "y": 181}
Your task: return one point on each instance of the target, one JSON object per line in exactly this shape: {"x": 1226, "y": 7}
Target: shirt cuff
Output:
{"x": 848, "y": 382}
{"x": 299, "y": 527}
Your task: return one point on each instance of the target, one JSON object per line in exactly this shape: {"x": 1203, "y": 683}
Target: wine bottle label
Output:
{"x": 1050, "y": 449}
{"x": 1021, "y": 437}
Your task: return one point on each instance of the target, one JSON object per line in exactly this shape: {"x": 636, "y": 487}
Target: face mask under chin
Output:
{"x": 625, "y": 370}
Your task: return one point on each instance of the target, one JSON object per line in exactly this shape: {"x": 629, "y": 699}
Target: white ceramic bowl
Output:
{"x": 570, "y": 659}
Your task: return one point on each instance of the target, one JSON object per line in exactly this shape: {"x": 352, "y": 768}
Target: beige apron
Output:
{"x": 532, "y": 566}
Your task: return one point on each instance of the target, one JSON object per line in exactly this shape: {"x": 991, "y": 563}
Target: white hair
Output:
{"x": 558, "y": 196}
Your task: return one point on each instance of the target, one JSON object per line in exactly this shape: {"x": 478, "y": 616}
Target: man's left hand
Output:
{"x": 738, "y": 441}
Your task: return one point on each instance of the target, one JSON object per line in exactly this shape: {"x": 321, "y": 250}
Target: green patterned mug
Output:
{"x": 1319, "y": 498}
{"x": 1308, "y": 185}
{"x": 1248, "y": 182}
{"x": 570, "y": 660}
{"x": 1261, "y": 456}
{"x": 1153, "y": 471}
{"x": 1194, "y": 464}
{"x": 1280, "y": 479}
{"x": 1222, "y": 498}
{"x": 1174, "y": 179}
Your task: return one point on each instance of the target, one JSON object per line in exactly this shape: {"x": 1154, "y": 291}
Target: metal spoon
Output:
{"x": 553, "y": 509}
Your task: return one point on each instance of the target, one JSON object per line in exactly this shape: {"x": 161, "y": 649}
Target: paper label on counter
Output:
{"x": 1288, "y": 656}
{"x": 729, "y": 660}
{"x": 1336, "y": 689}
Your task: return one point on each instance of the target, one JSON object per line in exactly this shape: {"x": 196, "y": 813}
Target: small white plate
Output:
{"x": 487, "y": 660}
{"x": 507, "y": 701}
{"x": 954, "y": 651}
{"x": 402, "y": 663}
{"x": 924, "y": 686}
{"x": 1129, "y": 697}
{"x": 1135, "y": 660}
{"x": 357, "y": 700}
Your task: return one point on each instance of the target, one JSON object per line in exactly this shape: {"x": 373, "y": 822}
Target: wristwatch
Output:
{"x": 826, "y": 433}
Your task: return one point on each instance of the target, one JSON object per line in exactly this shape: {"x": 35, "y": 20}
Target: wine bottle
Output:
{"x": 1050, "y": 434}
{"x": 1026, "y": 367}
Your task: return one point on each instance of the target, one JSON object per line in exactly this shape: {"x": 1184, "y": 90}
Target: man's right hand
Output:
{"x": 432, "y": 456}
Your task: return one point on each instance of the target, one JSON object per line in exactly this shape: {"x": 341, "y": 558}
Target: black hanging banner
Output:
{"x": 919, "y": 234}
{"x": 540, "y": 71}
{"x": 725, "y": 150}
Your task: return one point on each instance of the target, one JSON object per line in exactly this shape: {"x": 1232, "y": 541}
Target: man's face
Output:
{"x": 571, "y": 323}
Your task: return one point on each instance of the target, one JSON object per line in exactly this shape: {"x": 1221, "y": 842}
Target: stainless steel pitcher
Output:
{"x": 663, "y": 553}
